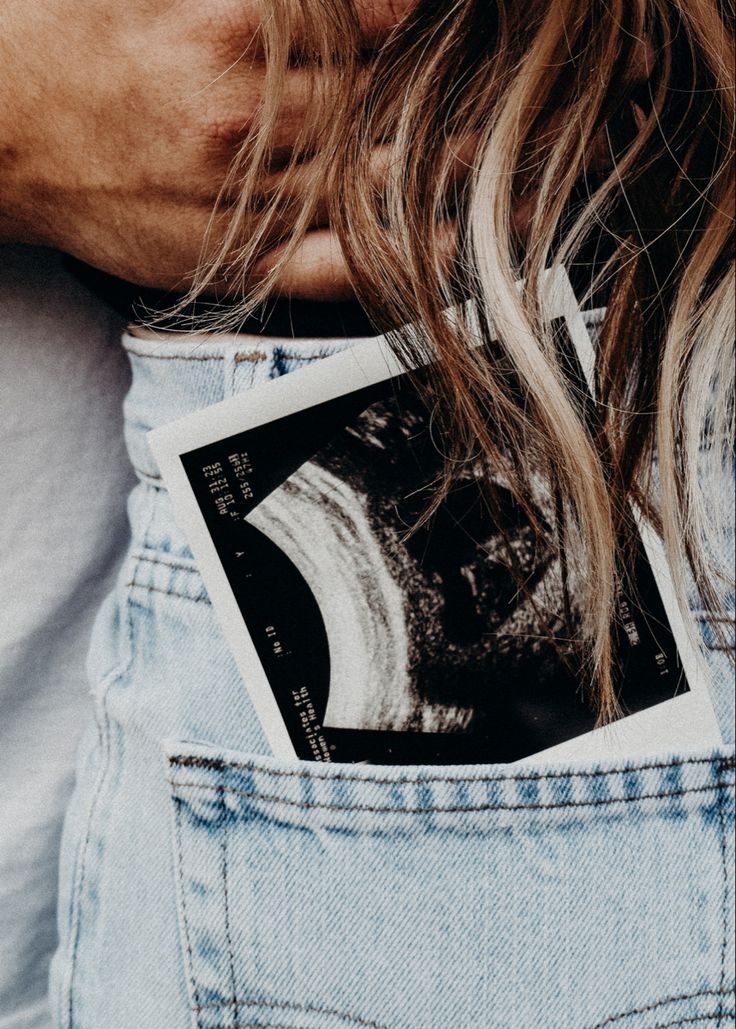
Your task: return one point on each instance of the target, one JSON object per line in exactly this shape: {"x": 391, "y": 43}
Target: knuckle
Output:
{"x": 231, "y": 28}
{"x": 378, "y": 18}
{"x": 222, "y": 130}
{"x": 224, "y": 114}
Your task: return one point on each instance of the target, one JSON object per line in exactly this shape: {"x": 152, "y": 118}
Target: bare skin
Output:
{"x": 118, "y": 122}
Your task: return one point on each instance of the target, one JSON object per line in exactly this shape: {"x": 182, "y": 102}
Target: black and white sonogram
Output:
{"x": 449, "y": 643}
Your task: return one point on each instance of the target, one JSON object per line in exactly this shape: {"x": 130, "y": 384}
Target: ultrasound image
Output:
{"x": 427, "y": 629}
{"x": 456, "y": 641}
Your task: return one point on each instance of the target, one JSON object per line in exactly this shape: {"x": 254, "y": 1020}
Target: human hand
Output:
{"x": 118, "y": 122}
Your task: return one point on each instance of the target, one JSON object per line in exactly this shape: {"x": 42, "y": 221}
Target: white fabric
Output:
{"x": 64, "y": 477}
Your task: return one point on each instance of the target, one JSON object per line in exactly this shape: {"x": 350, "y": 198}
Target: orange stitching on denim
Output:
{"x": 176, "y": 357}
{"x": 253, "y": 358}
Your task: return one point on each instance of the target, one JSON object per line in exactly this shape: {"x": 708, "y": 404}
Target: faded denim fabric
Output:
{"x": 208, "y": 885}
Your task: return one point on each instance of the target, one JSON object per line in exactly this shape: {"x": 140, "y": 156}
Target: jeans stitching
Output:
{"x": 307, "y": 1009}
{"x": 291, "y": 356}
{"x": 218, "y": 765}
{"x": 187, "y": 937}
{"x": 176, "y": 566}
{"x": 376, "y": 1025}
{"x": 231, "y": 370}
{"x": 658, "y": 1004}
{"x": 253, "y": 358}
{"x": 77, "y": 896}
{"x": 261, "y": 1025}
{"x": 368, "y": 809}
{"x": 691, "y": 1021}
{"x": 724, "y": 902}
{"x": 226, "y": 899}
{"x": 167, "y": 593}
{"x": 83, "y": 860}
{"x": 176, "y": 357}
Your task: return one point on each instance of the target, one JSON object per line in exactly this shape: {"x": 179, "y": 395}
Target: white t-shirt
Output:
{"x": 64, "y": 476}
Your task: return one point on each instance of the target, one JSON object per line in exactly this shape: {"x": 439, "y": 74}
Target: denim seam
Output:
{"x": 261, "y": 1025}
{"x": 77, "y": 899}
{"x": 196, "y": 1007}
{"x": 724, "y": 902}
{"x": 175, "y": 357}
{"x": 255, "y": 358}
{"x": 230, "y": 373}
{"x": 692, "y": 1020}
{"x": 168, "y": 593}
{"x": 659, "y": 1004}
{"x": 223, "y": 766}
{"x": 226, "y": 899}
{"x": 291, "y": 356}
{"x": 177, "y": 566}
{"x": 307, "y": 1009}
{"x": 368, "y": 809}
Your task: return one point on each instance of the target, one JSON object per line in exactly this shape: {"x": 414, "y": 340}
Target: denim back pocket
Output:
{"x": 319, "y": 896}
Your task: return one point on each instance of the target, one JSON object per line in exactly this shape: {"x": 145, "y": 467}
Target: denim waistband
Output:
{"x": 175, "y": 375}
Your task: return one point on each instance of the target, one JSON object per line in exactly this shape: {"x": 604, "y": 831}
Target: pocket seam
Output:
{"x": 661, "y": 1003}
{"x": 214, "y": 764}
{"x": 724, "y": 867}
{"x": 179, "y": 864}
{"x": 433, "y": 809}
{"x": 235, "y": 1002}
{"x": 710, "y": 1017}
{"x": 307, "y": 1009}
{"x": 260, "y": 1025}
{"x": 225, "y": 890}
{"x": 653, "y": 1016}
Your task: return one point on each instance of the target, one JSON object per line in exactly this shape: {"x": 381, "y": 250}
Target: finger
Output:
{"x": 378, "y": 20}
{"x": 216, "y": 118}
{"x": 457, "y": 157}
{"x": 226, "y": 113}
{"x": 319, "y": 271}
{"x": 234, "y": 29}
{"x": 316, "y": 271}
{"x": 282, "y": 196}
{"x": 280, "y": 202}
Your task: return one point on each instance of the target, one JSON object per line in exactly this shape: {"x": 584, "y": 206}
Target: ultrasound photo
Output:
{"x": 387, "y": 643}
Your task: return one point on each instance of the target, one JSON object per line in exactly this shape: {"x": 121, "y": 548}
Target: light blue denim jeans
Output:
{"x": 205, "y": 884}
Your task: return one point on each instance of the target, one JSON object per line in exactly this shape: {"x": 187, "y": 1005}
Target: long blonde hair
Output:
{"x": 538, "y": 129}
